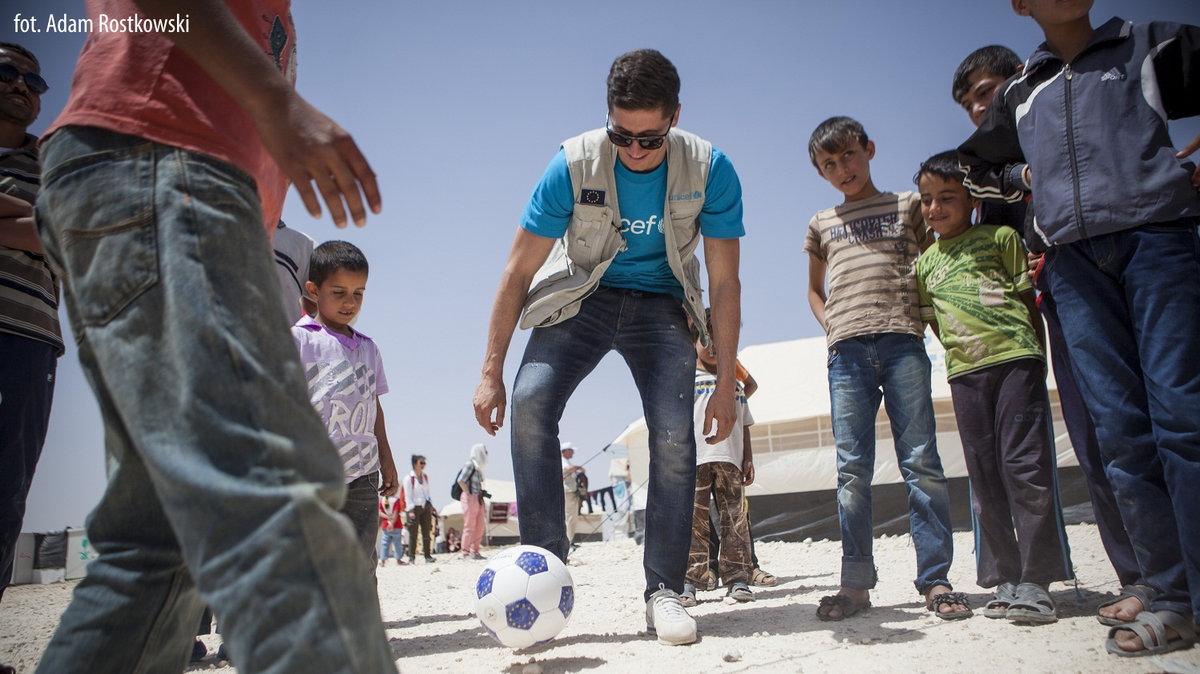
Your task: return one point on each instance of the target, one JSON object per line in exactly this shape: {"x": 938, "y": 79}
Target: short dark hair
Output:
{"x": 12, "y": 46}
{"x": 416, "y": 458}
{"x": 643, "y": 79}
{"x": 994, "y": 59}
{"x": 943, "y": 165}
{"x": 332, "y": 256}
{"x": 834, "y": 135}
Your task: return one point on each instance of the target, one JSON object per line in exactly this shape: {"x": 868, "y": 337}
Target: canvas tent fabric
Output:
{"x": 792, "y": 497}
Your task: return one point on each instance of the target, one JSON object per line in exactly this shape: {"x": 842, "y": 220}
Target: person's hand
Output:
{"x": 13, "y": 207}
{"x": 412, "y": 517}
{"x": 747, "y": 473}
{"x": 390, "y": 482}
{"x": 1187, "y": 151}
{"x": 309, "y": 148}
{"x": 489, "y": 401}
{"x": 721, "y": 410}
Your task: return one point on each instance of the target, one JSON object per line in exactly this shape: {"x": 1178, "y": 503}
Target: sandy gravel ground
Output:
{"x": 778, "y": 632}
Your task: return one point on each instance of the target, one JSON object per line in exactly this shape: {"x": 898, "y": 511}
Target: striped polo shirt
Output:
{"x": 28, "y": 289}
{"x": 870, "y": 248}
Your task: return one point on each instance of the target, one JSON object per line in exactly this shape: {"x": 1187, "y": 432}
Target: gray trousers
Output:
{"x": 1003, "y": 416}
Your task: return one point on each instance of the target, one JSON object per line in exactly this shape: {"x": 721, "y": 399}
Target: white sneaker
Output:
{"x": 666, "y": 617}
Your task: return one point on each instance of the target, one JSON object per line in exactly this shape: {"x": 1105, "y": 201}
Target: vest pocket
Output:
{"x": 589, "y": 236}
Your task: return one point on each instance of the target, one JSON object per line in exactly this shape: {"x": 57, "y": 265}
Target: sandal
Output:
{"x": 935, "y": 603}
{"x": 739, "y": 591}
{"x": 1151, "y": 627}
{"x": 840, "y": 601}
{"x": 1143, "y": 593}
{"x": 1032, "y": 605}
{"x": 1004, "y": 596}
{"x": 762, "y": 578}
{"x": 687, "y": 598}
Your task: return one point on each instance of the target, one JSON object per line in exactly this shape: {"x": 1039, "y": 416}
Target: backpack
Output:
{"x": 456, "y": 491}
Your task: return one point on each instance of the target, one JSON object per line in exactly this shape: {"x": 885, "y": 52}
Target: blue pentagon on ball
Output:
{"x": 532, "y": 562}
{"x": 521, "y": 614}
{"x": 484, "y": 585}
{"x": 567, "y": 601}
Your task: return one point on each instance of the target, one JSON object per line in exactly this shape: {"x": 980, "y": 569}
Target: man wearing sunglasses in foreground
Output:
{"x": 30, "y": 341}
{"x": 622, "y": 276}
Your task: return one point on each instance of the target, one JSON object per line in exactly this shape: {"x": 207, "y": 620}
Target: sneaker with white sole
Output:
{"x": 666, "y": 617}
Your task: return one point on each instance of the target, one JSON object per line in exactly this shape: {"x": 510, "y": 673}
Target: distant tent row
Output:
{"x": 793, "y": 496}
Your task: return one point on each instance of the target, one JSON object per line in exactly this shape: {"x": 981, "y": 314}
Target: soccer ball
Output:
{"x": 524, "y": 596}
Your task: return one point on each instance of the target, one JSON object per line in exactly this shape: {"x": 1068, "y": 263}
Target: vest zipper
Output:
{"x": 1068, "y": 75}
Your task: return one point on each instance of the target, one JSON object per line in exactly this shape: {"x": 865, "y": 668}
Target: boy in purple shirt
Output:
{"x": 345, "y": 379}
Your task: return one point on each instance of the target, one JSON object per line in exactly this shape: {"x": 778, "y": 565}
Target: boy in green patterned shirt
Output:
{"x": 974, "y": 290}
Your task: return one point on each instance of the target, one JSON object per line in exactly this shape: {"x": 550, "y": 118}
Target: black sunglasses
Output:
{"x": 621, "y": 140}
{"x": 34, "y": 81}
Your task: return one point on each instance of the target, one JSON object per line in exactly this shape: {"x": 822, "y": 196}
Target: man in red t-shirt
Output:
{"x": 171, "y": 155}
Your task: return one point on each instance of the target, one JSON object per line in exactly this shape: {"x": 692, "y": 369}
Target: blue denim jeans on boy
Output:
{"x": 894, "y": 368}
{"x": 391, "y": 540}
{"x": 1130, "y": 309}
{"x": 650, "y": 331}
{"x": 223, "y": 486}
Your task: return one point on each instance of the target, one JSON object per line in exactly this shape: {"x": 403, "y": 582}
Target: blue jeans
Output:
{"x": 392, "y": 539}
{"x": 27, "y": 368}
{"x": 650, "y": 332}
{"x": 1130, "y": 309}
{"x": 223, "y": 487}
{"x": 893, "y": 368}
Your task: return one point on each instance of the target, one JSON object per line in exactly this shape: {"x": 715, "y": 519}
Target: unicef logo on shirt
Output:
{"x": 642, "y": 226}
{"x": 686, "y": 197}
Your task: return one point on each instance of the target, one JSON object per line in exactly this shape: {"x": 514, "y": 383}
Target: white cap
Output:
{"x": 565, "y": 446}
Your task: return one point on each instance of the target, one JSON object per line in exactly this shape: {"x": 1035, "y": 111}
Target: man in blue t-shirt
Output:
{"x": 629, "y": 282}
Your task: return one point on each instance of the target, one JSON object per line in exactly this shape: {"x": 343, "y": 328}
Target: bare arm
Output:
{"x": 389, "y": 483}
{"x": 17, "y": 229}
{"x": 308, "y": 146}
{"x": 816, "y": 289}
{"x": 750, "y": 385}
{"x": 747, "y": 458}
{"x": 528, "y": 253}
{"x": 722, "y": 257}
{"x": 937, "y": 332}
{"x": 1035, "y": 317}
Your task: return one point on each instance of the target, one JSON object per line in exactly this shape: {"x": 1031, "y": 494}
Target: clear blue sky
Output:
{"x": 460, "y": 105}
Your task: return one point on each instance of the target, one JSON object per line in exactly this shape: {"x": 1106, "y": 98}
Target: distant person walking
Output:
{"x": 571, "y": 475}
{"x": 470, "y": 480}
{"x": 418, "y": 500}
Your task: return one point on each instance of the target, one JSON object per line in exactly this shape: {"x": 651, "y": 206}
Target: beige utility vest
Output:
{"x": 579, "y": 259}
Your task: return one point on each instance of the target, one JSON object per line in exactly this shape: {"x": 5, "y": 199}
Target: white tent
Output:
{"x": 793, "y": 439}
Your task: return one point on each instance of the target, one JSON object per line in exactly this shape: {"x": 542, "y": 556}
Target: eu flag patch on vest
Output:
{"x": 591, "y": 197}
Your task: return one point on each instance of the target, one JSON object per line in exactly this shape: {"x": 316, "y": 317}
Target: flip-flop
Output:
{"x": 950, "y": 599}
{"x": 1003, "y": 598}
{"x": 846, "y": 604}
{"x": 1143, "y": 593}
{"x": 1032, "y": 605}
{"x": 1151, "y": 627}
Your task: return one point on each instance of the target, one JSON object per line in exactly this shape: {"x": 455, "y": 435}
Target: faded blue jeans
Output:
{"x": 894, "y": 368}
{"x": 650, "y": 332}
{"x": 1130, "y": 309}
{"x": 223, "y": 487}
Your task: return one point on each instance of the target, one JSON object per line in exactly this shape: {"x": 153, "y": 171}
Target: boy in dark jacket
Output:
{"x": 1085, "y": 128}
